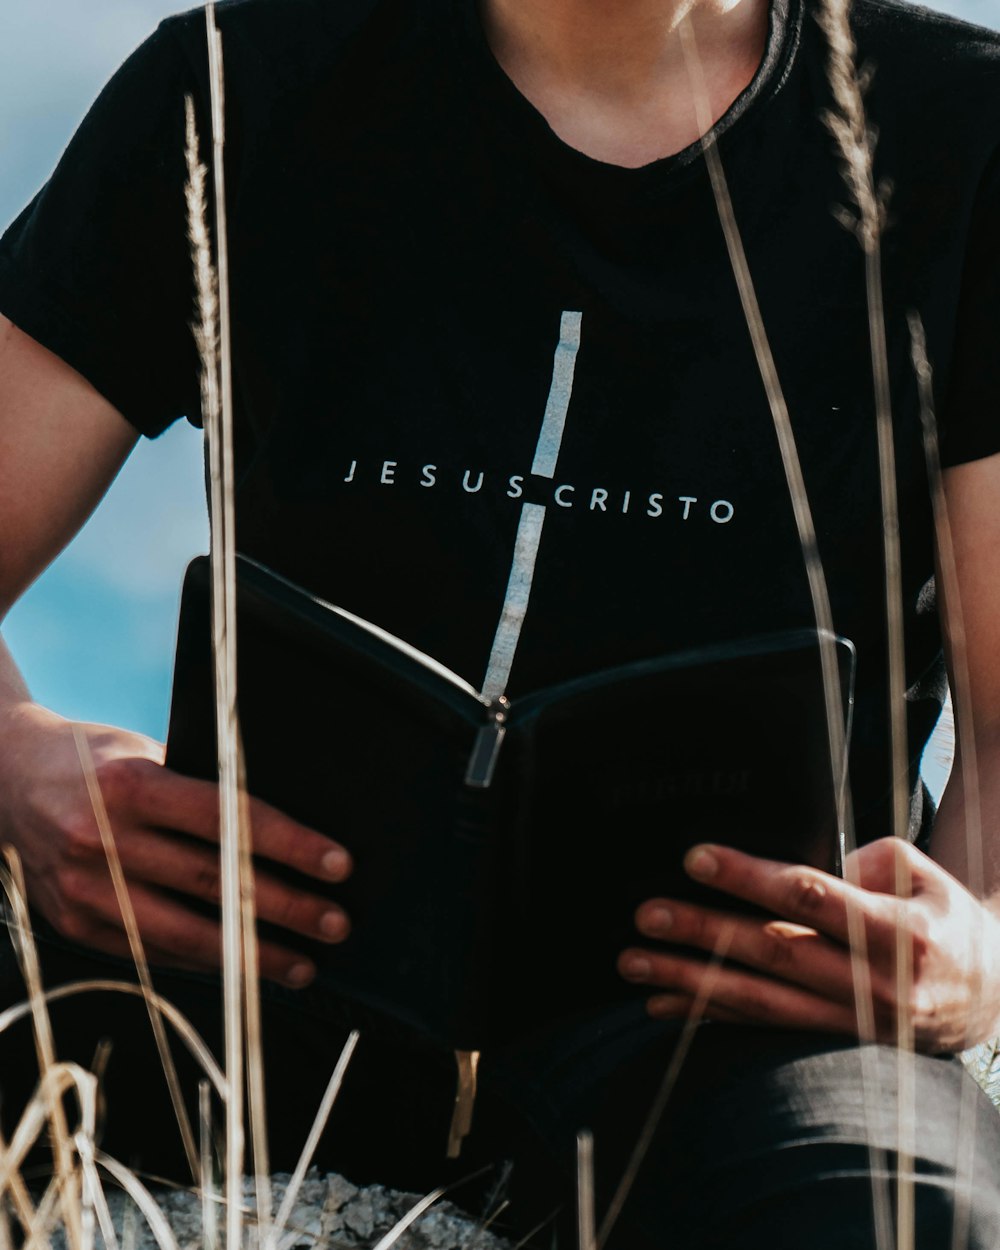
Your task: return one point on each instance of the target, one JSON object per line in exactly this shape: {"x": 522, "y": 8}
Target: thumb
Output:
{"x": 890, "y": 865}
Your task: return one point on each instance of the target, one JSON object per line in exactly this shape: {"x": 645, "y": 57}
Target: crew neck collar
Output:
{"x": 512, "y": 111}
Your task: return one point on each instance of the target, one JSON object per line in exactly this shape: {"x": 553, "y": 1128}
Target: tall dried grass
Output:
{"x": 658, "y": 1106}
{"x": 136, "y": 948}
{"x": 855, "y": 142}
{"x": 74, "y": 1197}
{"x": 967, "y": 755}
{"x": 240, "y": 985}
{"x": 836, "y": 713}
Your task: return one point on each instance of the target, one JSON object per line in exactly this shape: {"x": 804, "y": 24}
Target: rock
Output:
{"x": 329, "y": 1214}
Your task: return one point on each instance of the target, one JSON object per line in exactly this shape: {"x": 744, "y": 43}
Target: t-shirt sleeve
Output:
{"x": 97, "y": 266}
{"x": 970, "y": 414}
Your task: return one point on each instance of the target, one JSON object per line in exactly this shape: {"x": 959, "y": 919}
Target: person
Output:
{"x": 477, "y": 267}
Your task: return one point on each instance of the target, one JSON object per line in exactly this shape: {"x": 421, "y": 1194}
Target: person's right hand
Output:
{"x": 46, "y": 814}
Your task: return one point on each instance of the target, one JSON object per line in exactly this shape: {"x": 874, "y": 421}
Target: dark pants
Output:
{"x": 763, "y": 1143}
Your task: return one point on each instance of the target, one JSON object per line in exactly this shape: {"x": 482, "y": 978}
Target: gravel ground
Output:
{"x": 329, "y": 1214}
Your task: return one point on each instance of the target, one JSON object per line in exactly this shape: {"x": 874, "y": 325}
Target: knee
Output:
{"x": 836, "y": 1197}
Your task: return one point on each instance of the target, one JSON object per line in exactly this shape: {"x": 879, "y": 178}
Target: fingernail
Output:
{"x": 336, "y": 864}
{"x": 700, "y": 863}
{"x": 661, "y": 918}
{"x": 299, "y": 976}
{"x": 332, "y": 924}
{"x": 635, "y": 967}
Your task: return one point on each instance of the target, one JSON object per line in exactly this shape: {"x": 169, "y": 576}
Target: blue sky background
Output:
{"x": 94, "y": 635}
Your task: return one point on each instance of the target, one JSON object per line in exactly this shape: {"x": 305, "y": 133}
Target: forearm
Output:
{"x": 966, "y": 836}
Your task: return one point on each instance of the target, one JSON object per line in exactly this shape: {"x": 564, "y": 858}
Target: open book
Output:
{"x": 501, "y": 847}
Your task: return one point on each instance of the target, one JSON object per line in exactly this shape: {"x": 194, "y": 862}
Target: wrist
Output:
{"x": 25, "y": 728}
{"x": 22, "y": 723}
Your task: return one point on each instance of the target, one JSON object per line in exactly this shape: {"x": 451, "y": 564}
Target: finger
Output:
{"x": 780, "y": 948}
{"x": 158, "y": 859}
{"x": 111, "y": 941}
{"x": 114, "y": 942}
{"x": 682, "y": 1006}
{"x": 753, "y": 998}
{"x": 798, "y": 893}
{"x": 182, "y": 936}
{"x": 153, "y": 795}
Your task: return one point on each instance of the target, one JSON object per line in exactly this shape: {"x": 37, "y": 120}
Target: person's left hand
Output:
{"x": 795, "y": 971}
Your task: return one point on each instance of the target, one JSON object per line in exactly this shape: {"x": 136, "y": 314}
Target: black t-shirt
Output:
{"x": 499, "y": 397}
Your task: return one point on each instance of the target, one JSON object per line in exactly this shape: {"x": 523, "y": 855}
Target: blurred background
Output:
{"x": 94, "y": 635}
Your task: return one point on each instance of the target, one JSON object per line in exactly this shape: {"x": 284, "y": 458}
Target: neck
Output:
{"x": 610, "y": 75}
{"x": 614, "y": 47}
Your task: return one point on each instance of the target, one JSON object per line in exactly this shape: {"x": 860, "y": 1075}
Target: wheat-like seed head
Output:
{"x": 205, "y": 327}
{"x": 846, "y": 121}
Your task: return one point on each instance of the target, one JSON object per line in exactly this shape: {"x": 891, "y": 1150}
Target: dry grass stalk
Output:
{"x": 855, "y": 142}
{"x": 312, "y": 1141}
{"x": 136, "y": 947}
{"x": 948, "y": 592}
{"x": 414, "y": 1214}
{"x": 849, "y": 126}
{"x": 658, "y": 1106}
{"x": 585, "y": 1219}
{"x": 45, "y": 1111}
{"x": 162, "y": 1232}
{"x": 27, "y": 954}
{"x": 967, "y": 756}
{"x": 95, "y": 1203}
{"x": 424, "y": 1204}
{"x": 819, "y": 592}
{"x": 24, "y": 1207}
{"x": 206, "y": 331}
{"x": 211, "y": 295}
{"x": 253, "y": 1031}
{"x": 184, "y": 1030}
{"x": 240, "y": 968}
{"x": 83, "y": 1187}
{"x": 37, "y": 1233}
{"x": 93, "y": 1210}
{"x": 532, "y": 1233}
{"x": 59, "y": 1079}
{"x": 209, "y": 1208}
{"x": 247, "y": 974}
{"x": 130, "y": 1229}
{"x": 6, "y": 1240}
{"x": 490, "y": 1220}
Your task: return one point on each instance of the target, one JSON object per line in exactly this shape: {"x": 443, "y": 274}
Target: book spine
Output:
{"x": 486, "y": 748}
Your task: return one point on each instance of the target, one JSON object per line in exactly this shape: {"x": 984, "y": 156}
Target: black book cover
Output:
{"x": 501, "y": 848}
